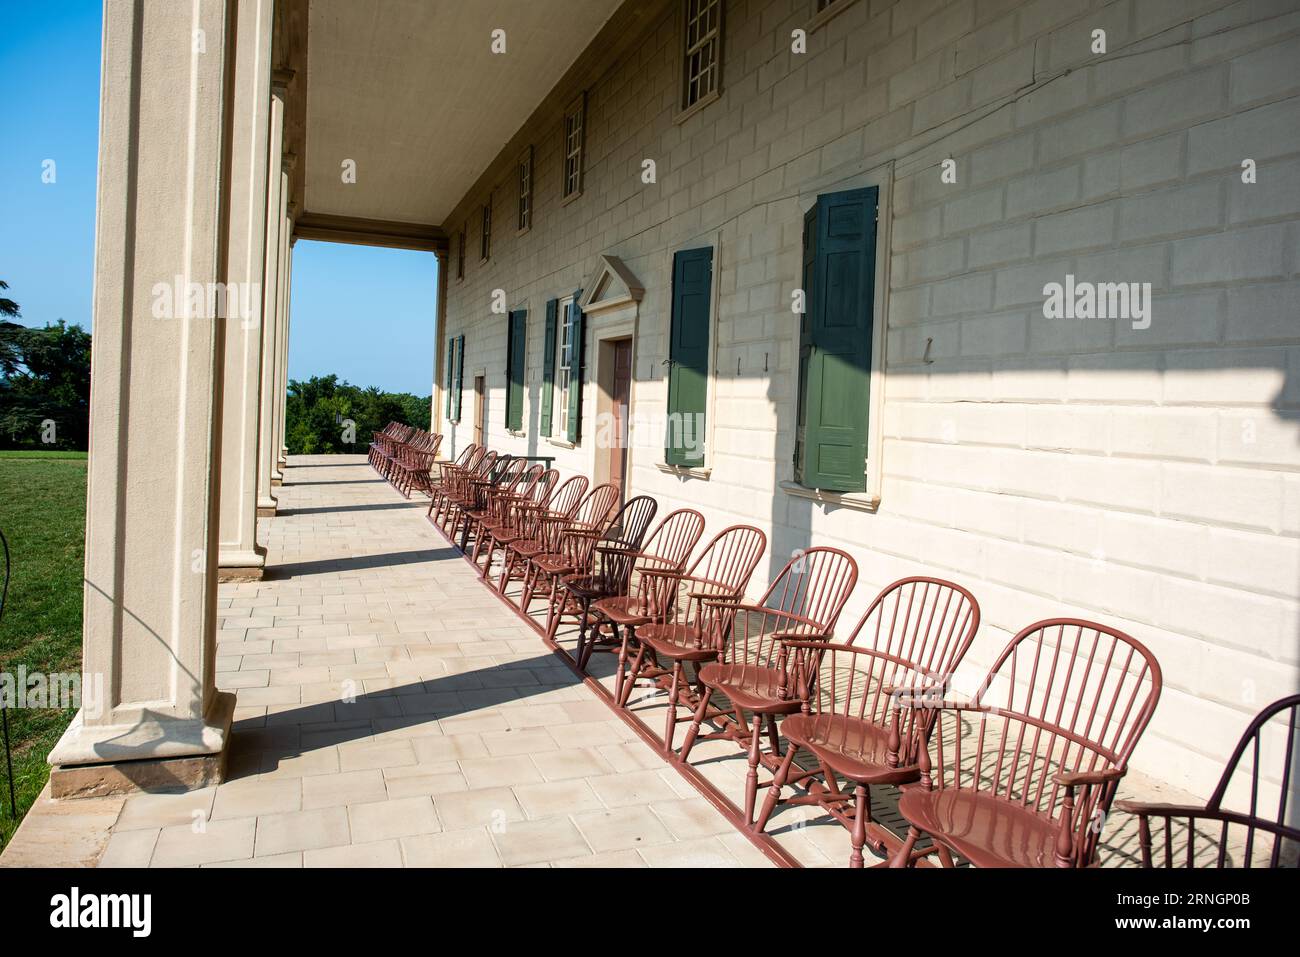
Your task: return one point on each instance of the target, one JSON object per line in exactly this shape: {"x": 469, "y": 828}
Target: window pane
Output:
{"x": 700, "y": 50}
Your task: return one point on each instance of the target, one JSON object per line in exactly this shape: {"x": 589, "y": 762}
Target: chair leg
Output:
{"x": 629, "y": 683}
{"x": 696, "y": 720}
{"x": 582, "y": 654}
{"x": 670, "y": 723}
{"x": 902, "y": 857}
{"x": 620, "y": 676}
{"x": 859, "y": 825}
{"x": 774, "y": 792}
{"x": 773, "y": 737}
{"x": 554, "y": 608}
{"x": 530, "y": 583}
{"x": 751, "y": 776}
{"x": 507, "y": 566}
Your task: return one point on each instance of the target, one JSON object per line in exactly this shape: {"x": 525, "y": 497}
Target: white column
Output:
{"x": 148, "y": 659}
{"x": 240, "y": 557}
{"x": 281, "y": 309}
{"x": 288, "y": 329}
{"x": 439, "y": 345}
{"x": 266, "y": 450}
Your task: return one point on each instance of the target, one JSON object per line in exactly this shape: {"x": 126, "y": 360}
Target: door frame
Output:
{"x": 610, "y": 368}
{"x": 480, "y": 407}
{"x": 604, "y": 344}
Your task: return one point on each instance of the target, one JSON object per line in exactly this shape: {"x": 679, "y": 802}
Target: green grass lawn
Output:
{"x": 43, "y": 515}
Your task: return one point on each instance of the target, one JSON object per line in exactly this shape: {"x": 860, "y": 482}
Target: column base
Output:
{"x": 241, "y": 566}
{"x": 156, "y": 755}
{"x": 266, "y": 507}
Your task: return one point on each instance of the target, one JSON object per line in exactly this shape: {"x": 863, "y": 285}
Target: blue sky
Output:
{"x": 365, "y": 314}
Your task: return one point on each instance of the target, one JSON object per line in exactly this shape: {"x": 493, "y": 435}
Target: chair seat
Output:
{"x": 678, "y": 642}
{"x": 623, "y": 610}
{"x": 989, "y": 831}
{"x": 587, "y": 587}
{"x": 855, "y": 748}
{"x": 554, "y": 564}
{"x": 750, "y": 687}
{"x": 527, "y": 548}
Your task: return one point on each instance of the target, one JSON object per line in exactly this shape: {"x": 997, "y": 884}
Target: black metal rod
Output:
{"x": 9, "y": 762}
{"x": 4, "y": 711}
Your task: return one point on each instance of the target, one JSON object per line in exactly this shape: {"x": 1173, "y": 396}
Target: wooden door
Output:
{"x": 480, "y": 408}
{"x": 620, "y": 396}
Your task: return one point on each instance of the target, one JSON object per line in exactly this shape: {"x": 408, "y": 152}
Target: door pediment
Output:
{"x": 612, "y": 286}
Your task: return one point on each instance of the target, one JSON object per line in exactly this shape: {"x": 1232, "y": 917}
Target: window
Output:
{"x": 839, "y": 276}
{"x": 702, "y": 52}
{"x": 460, "y": 254}
{"x": 564, "y": 354}
{"x": 516, "y": 346}
{"x": 688, "y": 357}
{"x": 575, "y": 122}
{"x": 562, "y": 369}
{"x": 454, "y": 376}
{"x": 485, "y": 238}
{"x": 824, "y": 10}
{"x": 526, "y": 190}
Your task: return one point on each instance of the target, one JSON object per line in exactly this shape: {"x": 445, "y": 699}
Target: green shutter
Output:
{"x": 516, "y": 345}
{"x": 576, "y": 357}
{"x": 449, "y": 372}
{"x": 835, "y": 340}
{"x": 548, "y": 366}
{"x": 688, "y": 354}
{"x": 458, "y": 380}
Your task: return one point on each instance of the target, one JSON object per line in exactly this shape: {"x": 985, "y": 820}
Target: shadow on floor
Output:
{"x": 330, "y": 509}
{"x": 292, "y": 733}
{"x": 355, "y": 563}
{"x": 374, "y": 481}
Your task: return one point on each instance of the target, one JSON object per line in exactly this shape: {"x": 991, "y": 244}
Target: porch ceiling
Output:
{"x": 410, "y": 90}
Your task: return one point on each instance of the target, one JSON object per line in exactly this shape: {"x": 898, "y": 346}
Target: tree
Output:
{"x": 322, "y": 413}
{"x": 44, "y": 384}
{"x": 8, "y": 307}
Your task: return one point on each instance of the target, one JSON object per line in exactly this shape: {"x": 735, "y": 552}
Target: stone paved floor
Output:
{"x": 462, "y": 740}
{"x": 467, "y": 742}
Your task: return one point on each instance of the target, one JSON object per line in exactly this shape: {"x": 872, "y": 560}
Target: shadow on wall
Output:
{"x": 1210, "y": 425}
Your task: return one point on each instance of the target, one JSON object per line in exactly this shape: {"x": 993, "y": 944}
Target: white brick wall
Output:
{"x": 1146, "y": 478}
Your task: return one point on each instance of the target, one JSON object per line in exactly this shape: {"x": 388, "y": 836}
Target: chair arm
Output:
{"x": 661, "y": 573}
{"x": 1073, "y": 779}
{"x": 789, "y": 638}
{"x": 713, "y": 600}
{"x": 614, "y": 549}
{"x": 1145, "y": 808}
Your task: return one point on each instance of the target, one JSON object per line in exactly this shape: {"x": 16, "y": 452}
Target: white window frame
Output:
{"x": 573, "y": 148}
{"x": 705, "y": 469}
{"x": 881, "y": 177}
{"x": 563, "y": 364}
{"x": 823, "y": 13}
{"x": 689, "y": 12}
{"x": 524, "y": 190}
